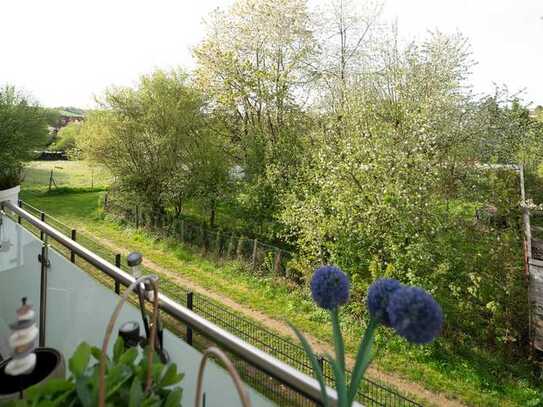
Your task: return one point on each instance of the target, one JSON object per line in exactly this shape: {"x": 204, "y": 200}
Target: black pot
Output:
{"x": 49, "y": 364}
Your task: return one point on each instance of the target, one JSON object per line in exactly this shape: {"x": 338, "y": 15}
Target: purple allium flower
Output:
{"x": 415, "y": 315}
{"x": 329, "y": 287}
{"x": 379, "y": 295}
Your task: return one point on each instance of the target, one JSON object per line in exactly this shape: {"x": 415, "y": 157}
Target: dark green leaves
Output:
{"x": 80, "y": 359}
{"x": 125, "y": 378}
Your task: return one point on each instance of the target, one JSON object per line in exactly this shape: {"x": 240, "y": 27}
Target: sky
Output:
{"x": 65, "y": 52}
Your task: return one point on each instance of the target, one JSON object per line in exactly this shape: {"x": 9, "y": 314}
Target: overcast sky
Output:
{"x": 66, "y": 51}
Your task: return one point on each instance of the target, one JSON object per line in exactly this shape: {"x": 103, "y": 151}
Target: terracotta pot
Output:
{"x": 10, "y": 194}
{"x": 49, "y": 365}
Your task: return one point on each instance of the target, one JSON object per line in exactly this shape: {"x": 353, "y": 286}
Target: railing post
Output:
{"x": 43, "y": 258}
{"x": 20, "y": 204}
{"x": 117, "y": 264}
{"x": 72, "y": 253}
{"x": 320, "y": 361}
{"x": 42, "y": 218}
{"x": 190, "y": 296}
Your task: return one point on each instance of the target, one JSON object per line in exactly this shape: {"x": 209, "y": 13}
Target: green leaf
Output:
{"x": 129, "y": 356}
{"x": 96, "y": 353}
{"x": 174, "y": 398}
{"x": 169, "y": 376}
{"x": 363, "y": 358}
{"x": 118, "y": 349}
{"x": 83, "y": 391}
{"x": 313, "y": 359}
{"x": 136, "y": 393}
{"x": 80, "y": 359}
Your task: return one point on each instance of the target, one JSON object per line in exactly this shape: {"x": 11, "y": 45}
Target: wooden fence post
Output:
{"x": 277, "y": 263}
{"x": 218, "y": 243}
{"x": 239, "y": 248}
{"x": 230, "y": 245}
{"x": 253, "y": 260}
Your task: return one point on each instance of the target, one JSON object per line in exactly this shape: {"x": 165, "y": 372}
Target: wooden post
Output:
{"x": 253, "y": 260}
{"x": 277, "y": 263}
{"x": 230, "y": 245}
{"x": 218, "y": 243}
{"x": 239, "y": 248}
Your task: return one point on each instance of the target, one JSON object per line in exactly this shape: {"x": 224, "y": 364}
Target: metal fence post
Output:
{"x": 72, "y": 253}
{"x": 118, "y": 264}
{"x": 42, "y": 218}
{"x": 20, "y": 204}
{"x": 190, "y": 296}
{"x": 43, "y": 258}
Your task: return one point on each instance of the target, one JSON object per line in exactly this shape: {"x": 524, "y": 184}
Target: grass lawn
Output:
{"x": 72, "y": 174}
{"x": 471, "y": 376}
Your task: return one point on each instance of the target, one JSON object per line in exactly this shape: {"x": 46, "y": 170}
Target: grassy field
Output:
{"x": 473, "y": 376}
{"x": 72, "y": 174}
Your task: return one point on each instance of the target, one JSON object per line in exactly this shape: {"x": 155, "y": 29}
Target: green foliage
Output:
{"x": 23, "y": 128}
{"x": 67, "y": 137}
{"x": 388, "y": 190}
{"x": 125, "y": 375}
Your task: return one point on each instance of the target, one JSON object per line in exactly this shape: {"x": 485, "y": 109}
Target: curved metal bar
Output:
{"x": 219, "y": 354}
{"x": 109, "y": 331}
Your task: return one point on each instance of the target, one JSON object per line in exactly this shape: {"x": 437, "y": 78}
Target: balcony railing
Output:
{"x": 74, "y": 307}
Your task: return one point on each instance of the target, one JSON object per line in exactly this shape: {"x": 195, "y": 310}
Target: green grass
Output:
{"x": 71, "y": 174}
{"x": 473, "y": 376}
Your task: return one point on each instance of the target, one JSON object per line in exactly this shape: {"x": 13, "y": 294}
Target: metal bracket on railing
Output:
{"x": 47, "y": 262}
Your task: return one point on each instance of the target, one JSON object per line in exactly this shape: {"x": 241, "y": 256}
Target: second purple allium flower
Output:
{"x": 329, "y": 287}
{"x": 379, "y": 295}
{"x": 415, "y": 315}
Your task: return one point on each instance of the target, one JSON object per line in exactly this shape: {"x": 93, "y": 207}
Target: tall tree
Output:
{"x": 23, "y": 128}
{"x": 253, "y": 65}
{"x": 146, "y": 137}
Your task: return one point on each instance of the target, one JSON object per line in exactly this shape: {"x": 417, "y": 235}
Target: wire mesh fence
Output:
{"x": 371, "y": 393}
{"x": 261, "y": 257}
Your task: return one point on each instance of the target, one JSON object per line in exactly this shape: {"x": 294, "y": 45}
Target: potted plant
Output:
{"x": 129, "y": 378}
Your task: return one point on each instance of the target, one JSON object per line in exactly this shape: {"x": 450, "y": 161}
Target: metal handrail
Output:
{"x": 286, "y": 374}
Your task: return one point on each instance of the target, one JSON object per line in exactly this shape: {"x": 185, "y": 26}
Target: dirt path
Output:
{"x": 430, "y": 398}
